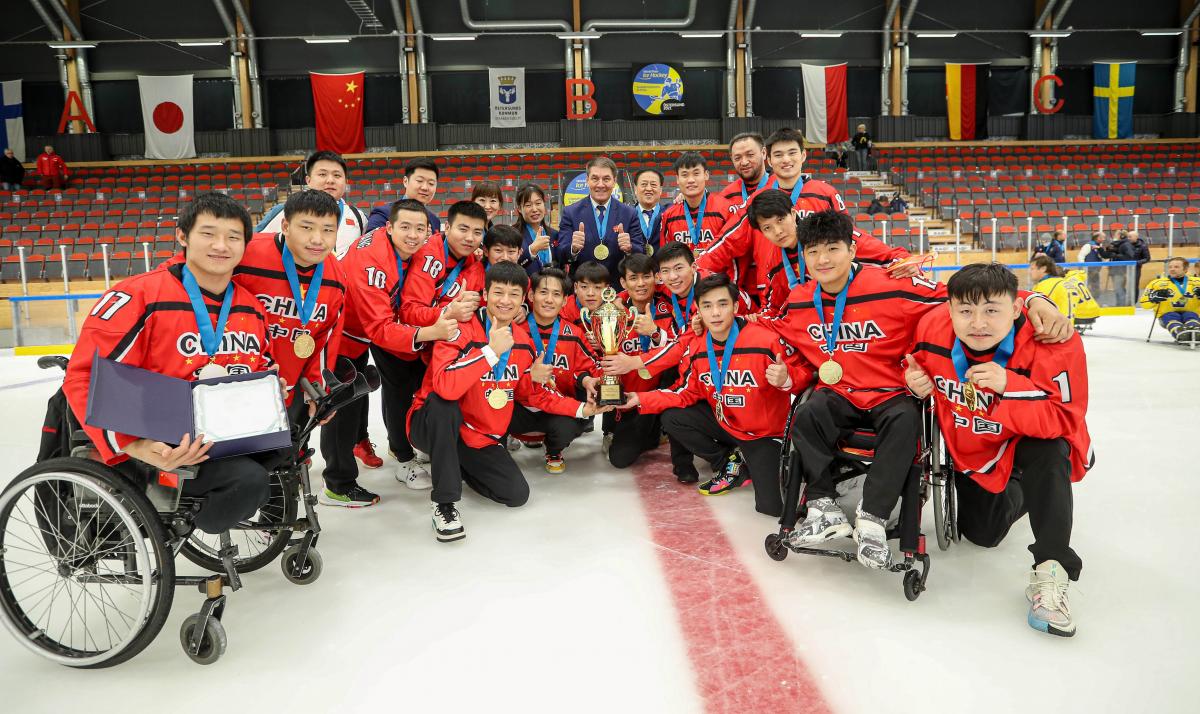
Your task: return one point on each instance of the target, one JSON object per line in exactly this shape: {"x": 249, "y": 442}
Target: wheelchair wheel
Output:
{"x": 309, "y": 570}
{"x": 256, "y": 548}
{"x": 86, "y": 577}
{"x": 775, "y": 547}
{"x": 212, "y": 643}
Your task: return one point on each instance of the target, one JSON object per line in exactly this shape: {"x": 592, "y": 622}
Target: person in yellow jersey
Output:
{"x": 1175, "y": 299}
{"x": 1069, "y": 292}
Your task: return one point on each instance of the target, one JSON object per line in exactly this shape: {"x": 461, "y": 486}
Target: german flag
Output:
{"x": 967, "y": 100}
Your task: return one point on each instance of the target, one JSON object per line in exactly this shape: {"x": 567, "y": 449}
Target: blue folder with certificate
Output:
{"x": 239, "y": 413}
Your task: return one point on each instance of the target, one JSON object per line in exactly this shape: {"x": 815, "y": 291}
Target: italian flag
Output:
{"x": 825, "y": 104}
{"x": 967, "y": 100}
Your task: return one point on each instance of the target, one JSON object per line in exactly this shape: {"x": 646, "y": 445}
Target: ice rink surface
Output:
{"x": 624, "y": 591}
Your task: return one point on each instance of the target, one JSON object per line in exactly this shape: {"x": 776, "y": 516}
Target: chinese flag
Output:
{"x": 339, "y": 102}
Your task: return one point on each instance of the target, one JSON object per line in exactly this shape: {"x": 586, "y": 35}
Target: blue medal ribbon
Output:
{"x": 839, "y": 307}
{"x": 761, "y": 182}
{"x": 696, "y": 227}
{"x": 602, "y": 225}
{"x": 306, "y": 303}
{"x": 681, "y": 318}
{"x": 648, "y": 227}
{"x": 399, "y": 279}
{"x": 210, "y": 337}
{"x": 792, "y": 278}
{"x": 453, "y": 276}
{"x": 548, "y": 352}
{"x": 795, "y": 189}
{"x": 1001, "y": 356}
{"x": 498, "y": 370}
{"x": 1180, "y": 286}
{"x": 543, "y": 256}
{"x": 718, "y": 375}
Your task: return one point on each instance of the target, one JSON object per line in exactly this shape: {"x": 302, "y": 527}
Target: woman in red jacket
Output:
{"x": 52, "y": 168}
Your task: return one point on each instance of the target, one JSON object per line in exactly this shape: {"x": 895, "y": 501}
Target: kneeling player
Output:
{"x": 163, "y": 321}
{"x": 1175, "y": 299}
{"x": 562, "y": 362}
{"x": 734, "y": 397}
{"x": 1011, "y": 411}
{"x": 465, "y": 404}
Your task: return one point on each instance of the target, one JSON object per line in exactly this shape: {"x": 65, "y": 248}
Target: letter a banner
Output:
{"x": 506, "y": 86}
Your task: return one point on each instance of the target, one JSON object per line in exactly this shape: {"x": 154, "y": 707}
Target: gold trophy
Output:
{"x": 610, "y": 324}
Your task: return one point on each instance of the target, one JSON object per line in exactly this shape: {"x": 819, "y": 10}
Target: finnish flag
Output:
{"x": 12, "y": 128}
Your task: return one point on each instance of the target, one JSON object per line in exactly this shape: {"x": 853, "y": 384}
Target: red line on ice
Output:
{"x": 742, "y": 659}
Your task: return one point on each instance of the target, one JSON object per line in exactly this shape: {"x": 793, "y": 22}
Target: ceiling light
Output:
{"x": 697, "y": 35}
{"x": 1161, "y": 33}
{"x": 326, "y": 40}
{"x": 578, "y": 35}
{"x": 200, "y": 43}
{"x": 1053, "y": 33}
{"x": 450, "y": 38}
{"x": 72, "y": 45}
{"x": 820, "y": 34}
{"x": 937, "y": 34}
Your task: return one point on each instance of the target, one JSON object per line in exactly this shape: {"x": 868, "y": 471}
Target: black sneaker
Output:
{"x": 687, "y": 475}
{"x": 354, "y": 497}
{"x": 446, "y": 523}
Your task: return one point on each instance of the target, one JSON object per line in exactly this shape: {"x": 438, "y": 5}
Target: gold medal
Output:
{"x": 644, "y": 373}
{"x": 304, "y": 346}
{"x": 720, "y": 407}
{"x": 830, "y": 372}
{"x": 497, "y": 398}
{"x": 970, "y": 396}
{"x": 649, "y": 249}
{"x": 601, "y": 252}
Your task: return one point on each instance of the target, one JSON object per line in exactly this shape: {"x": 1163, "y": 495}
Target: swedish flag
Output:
{"x": 1112, "y": 116}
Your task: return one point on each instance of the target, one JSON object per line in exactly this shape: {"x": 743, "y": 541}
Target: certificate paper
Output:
{"x": 235, "y": 410}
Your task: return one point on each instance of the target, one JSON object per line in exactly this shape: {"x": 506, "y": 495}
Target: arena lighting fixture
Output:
{"x": 451, "y": 38}
{"x": 326, "y": 40}
{"x": 698, "y": 35}
{"x": 1161, "y": 33}
{"x": 72, "y": 45}
{"x": 200, "y": 43}
{"x": 938, "y": 33}
{"x": 812, "y": 35}
{"x": 578, "y": 35}
{"x": 1056, "y": 34}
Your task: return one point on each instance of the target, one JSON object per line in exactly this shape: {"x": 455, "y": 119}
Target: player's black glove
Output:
{"x": 1161, "y": 295}
{"x": 1196, "y": 291}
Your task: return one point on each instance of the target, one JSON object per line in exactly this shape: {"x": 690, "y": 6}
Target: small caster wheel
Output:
{"x": 912, "y": 585}
{"x": 212, "y": 643}
{"x": 775, "y": 547}
{"x": 308, "y": 571}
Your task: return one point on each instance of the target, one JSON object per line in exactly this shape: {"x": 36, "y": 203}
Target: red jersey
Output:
{"x": 677, "y": 333}
{"x": 459, "y": 372}
{"x": 876, "y": 331}
{"x": 374, "y": 279}
{"x": 425, "y": 293}
{"x": 1046, "y": 397}
{"x": 709, "y": 226}
{"x": 737, "y": 194}
{"x": 751, "y": 407}
{"x": 572, "y": 360}
{"x": 51, "y": 165}
{"x": 147, "y": 321}
{"x": 261, "y": 272}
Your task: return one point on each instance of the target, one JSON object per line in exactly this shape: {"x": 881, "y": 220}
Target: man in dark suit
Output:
{"x": 648, "y": 187}
{"x": 600, "y": 228}
{"x": 420, "y": 183}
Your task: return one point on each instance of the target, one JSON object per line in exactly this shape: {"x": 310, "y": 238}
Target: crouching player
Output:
{"x": 1175, "y": 299}
{"x": 465, "y": 405}
{"x": 562, "y": 362}
{"x": 190, "y": 321}
{"x": 1011, "y": 411}
{"x": 734, "y": 397}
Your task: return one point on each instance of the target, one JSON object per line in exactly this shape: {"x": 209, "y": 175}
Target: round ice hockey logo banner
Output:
{"x": 658, "y": 90}
{"x": 577, "y": 190}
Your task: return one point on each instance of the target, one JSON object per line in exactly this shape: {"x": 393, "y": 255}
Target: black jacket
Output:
{"x": 861, "y": 141}
{"x": 1122, "y": 249}
{"x": 1141, "y": 251}
{"x": 11, "y": 170}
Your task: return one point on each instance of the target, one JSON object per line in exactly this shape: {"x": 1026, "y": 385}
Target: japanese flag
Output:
{"x": 168, "y": 117}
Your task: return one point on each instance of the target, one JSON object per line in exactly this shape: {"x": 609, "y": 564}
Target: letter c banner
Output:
{"x": 1037, "y": 94}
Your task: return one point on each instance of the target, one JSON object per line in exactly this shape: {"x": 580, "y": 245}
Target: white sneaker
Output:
{"x": 413, "y": 476}
{"x": 825, "y": 521}
{"x": 512, "y": 443}
{"x": 871, "y": 535}
{"x": 421, "y": 457}
{"x": 1049, "y": 610}
{"x": 446, "y": 523}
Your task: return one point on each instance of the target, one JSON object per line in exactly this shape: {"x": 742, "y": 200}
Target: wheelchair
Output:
{"x": 931, "y": 476}
{"x": 87, "y": 554}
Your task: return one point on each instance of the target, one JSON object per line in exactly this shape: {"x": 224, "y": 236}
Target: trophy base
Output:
{"x": 610, "y": 395}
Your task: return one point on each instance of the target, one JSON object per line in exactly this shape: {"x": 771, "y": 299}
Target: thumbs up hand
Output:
{"x": 778, "y": 375}
{"x": 624, "y": 242}
{"x": 540, "y": 372}
{"x": 644, "y": 324}
{"x": 917, "y": 378}
{"x": 578, "y": 238}
{"x": 542, "y": 242}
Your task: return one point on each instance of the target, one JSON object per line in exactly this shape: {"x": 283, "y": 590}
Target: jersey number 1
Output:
{"x": 1064, "y": 386}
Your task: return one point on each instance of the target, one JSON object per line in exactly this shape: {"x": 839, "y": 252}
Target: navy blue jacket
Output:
{"x": 581, "y": 212}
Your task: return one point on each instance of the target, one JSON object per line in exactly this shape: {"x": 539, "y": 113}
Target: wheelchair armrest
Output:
{"x": 49, "y": 361}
